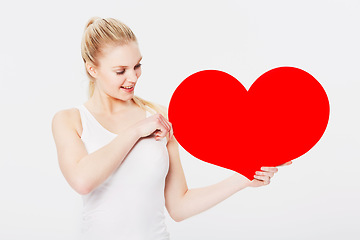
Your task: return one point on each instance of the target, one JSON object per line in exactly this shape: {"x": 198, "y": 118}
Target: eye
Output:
{"x": 120, "y": 73}
{"x": 137, "y": 66}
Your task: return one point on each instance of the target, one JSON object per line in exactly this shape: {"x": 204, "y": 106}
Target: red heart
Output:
{"x": 281, "y": 117}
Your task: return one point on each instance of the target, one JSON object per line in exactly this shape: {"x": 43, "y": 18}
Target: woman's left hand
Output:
{"x": 262, "y": 178}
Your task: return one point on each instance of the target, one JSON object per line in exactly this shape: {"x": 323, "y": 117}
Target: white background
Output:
{"x": 41, "y": 72}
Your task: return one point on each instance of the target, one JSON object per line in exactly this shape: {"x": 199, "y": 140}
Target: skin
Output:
{"x": 114, "y": 109}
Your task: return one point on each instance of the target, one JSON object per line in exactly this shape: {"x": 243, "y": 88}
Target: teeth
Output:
{"x": 127, "y": 87}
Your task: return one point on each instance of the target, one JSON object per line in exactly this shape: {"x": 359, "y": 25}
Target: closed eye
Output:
{"x": 122, "y": 72}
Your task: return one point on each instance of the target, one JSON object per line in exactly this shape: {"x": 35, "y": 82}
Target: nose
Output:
{"x": 132, "y": 76}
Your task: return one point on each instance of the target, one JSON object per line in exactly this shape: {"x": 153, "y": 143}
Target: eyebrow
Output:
{"x": 126, "y": 66}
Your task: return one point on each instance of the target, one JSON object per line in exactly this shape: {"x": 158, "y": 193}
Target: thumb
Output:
{"x": 286, "y": 164}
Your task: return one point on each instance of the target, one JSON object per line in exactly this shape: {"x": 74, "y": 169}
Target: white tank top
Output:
{"x": 130, "y": 204}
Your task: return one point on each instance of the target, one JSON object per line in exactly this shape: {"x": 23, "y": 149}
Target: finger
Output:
{"x": 169, "y": 126}
{"x": 270, "y": 169}
{"x": 162, "y": 126}
{"x": 286, "y": 164}
{"x": 164, "y": 123}
{"x": 263, "y": 178}
{"x": 171, "y": 131}
{"x": 262, "y": 181}
{"x": 157, "y": 134}
{"x": 270, "y": 174}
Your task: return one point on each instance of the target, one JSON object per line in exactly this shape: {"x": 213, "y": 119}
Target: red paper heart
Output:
{"x": 281, "y": 117}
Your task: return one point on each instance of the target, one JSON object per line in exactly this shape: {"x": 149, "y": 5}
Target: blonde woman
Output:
{"x": 118, "y": 150}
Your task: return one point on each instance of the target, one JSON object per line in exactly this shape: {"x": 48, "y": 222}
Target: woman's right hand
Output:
{"x": 156, "y": 124}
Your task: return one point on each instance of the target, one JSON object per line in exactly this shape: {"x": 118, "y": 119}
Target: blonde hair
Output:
{"x": 99, "y": 32}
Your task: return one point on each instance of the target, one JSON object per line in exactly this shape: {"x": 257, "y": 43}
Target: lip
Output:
{"x": 128, "y": 90}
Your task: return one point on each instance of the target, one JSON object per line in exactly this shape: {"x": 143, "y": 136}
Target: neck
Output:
{"x": 107, "y": 105}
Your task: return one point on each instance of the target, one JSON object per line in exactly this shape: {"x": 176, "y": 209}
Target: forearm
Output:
{"x": 95, "y": 168}
{"x": 198, "y": 200}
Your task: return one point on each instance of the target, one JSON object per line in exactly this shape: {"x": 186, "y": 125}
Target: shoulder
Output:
{"x": 163, "y": 110}
{"x": 66, "y": 115}
{"x": 67, "y": 118}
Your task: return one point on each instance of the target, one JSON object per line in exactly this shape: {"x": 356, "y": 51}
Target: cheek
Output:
{"x": 138, "y": 73}
{"x": 114, "y": 81}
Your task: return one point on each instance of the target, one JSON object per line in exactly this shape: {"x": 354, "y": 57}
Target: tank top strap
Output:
{"x": 85, "y": 119}
{"x": 148, "y": 114}
{"x": 89, "y": 123}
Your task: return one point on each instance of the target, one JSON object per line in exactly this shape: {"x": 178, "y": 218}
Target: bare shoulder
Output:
{"x": 164, "y": 110}
{"x": 69, "y": 145}
{"x": 67, "y": 118}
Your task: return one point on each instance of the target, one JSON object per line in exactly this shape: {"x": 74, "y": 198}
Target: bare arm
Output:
{"x": 197, "y": 200}
{"x": 83, "y": 171}
{"x": 183, "y": 203}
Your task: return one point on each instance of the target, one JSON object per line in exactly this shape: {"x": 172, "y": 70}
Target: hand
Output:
{"x": 156, "y": 124}
{"x": 262, "y": 178}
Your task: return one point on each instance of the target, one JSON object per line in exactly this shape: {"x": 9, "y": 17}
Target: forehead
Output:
{"x": 124, "y": 55}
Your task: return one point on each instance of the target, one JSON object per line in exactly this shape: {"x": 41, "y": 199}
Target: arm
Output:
{"x": 198, "y": 200}
{"x": 83, "y": 171}
{"x": 182, "y": 202}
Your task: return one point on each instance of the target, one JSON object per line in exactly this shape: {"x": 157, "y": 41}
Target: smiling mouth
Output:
{"x": 128, "y": 87}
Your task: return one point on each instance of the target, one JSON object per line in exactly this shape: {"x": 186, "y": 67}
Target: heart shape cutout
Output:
{"x": 281, "y": 117}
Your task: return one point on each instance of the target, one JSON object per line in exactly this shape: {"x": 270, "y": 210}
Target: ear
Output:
{"x": 91, "y": 69}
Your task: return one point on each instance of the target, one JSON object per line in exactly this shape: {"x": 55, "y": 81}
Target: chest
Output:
{"x": 121, "y": 121}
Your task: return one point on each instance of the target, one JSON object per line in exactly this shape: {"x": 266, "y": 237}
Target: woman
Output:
{"x": 118, "y": 152}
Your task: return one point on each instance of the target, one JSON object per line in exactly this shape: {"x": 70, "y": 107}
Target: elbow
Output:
{"x": 176, "y": 217}
{"x": 83, "y": 190}
{"x": 81, "y": 186}
{"x": 81, "y": 182}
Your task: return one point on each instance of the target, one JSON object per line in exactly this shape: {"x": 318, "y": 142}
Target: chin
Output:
{"x": 128, "y": 97}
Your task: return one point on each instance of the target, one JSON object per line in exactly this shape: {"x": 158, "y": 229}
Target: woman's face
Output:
{"x": 119, "y": 67}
